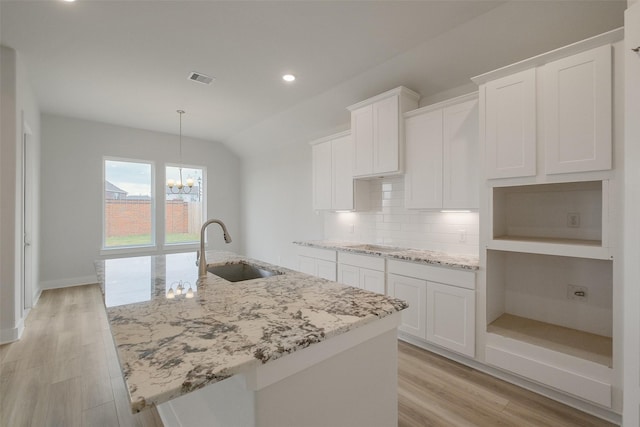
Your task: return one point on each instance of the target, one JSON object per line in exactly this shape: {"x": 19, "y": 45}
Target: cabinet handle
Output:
{"x": 636, "y": 49}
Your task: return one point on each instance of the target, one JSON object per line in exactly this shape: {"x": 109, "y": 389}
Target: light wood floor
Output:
{"x": 64, "y": 372}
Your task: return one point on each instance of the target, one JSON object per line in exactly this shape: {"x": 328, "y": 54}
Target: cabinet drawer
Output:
{"x": 362, "y": 261}
{"x": 460, "y": 278}
{"x": 325, "y": 254}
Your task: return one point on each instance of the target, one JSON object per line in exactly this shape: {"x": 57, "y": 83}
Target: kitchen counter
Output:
{"x": 170, "y": 347}
{"x": 464, "y": 262}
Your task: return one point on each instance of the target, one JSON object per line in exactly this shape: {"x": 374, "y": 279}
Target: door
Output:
{"x": 577, "y": 112}
{"x": 362, "y": 134}
{"x": 321, "y": 156}
{"x": 372, "y": 280}
{"x": 460, "y": 177}
{"x": 349, "y": 275}
{"x": 386, "y": 135}
{"x": 423, "y": 178}
{"x": 27, "y": 190}
{"x": 510, "y": 126}
{"x": 414, "y": 292}
{"x": 342, "y": 173}
{"x": 451, "y": 318}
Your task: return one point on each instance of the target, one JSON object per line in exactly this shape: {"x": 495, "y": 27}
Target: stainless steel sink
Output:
{"x": 240, "y": 271}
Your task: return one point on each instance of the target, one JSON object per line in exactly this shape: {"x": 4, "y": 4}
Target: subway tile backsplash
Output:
{"x": 389, "y": 223}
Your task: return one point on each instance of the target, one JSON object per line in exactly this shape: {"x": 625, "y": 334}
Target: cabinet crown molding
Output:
{"x": 400, "y": 90}
{"x": 442, "y": 104}
{"x": 609, "y": 37}
{"x": 330, "y": 137}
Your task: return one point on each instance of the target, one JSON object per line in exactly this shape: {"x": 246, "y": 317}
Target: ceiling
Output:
{"x": 127, "y": 62}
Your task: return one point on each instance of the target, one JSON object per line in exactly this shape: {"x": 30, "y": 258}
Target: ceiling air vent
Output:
{"x": 200, "y": 78}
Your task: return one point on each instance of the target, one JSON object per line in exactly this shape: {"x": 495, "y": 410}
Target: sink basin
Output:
{"x": 241, "y": 271}
{"x": 375, "y": 248}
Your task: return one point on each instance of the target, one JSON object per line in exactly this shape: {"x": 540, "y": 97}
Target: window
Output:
{"x": 184, "y": 209}
{"x": 128, "y": 204}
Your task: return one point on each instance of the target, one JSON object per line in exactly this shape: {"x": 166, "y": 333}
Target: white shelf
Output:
{"x": 591, "y": 347}
{"x": 592, "y": 249}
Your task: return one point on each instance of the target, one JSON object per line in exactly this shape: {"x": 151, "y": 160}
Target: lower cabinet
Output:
{"x": 317, "y": 262}
{"x": 362, "y": 271}
{"x": 441, "y": 304}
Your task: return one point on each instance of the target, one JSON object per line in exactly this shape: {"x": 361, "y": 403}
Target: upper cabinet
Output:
{"x": 378, "y": 132}
{"x": 442, "y": 155}
{"x": 333, "y": 186}
{"x": 577, "y": 112}
{"x": 552, "y": 117}
{"x": 510, "y": 126}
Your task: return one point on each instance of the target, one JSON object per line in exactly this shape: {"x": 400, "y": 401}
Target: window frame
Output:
{"x": 154, "y": 238}
{"x": 189, "y": 245}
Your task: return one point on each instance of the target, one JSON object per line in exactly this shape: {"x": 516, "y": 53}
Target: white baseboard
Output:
{"x": 67, "y": 283}
{"x": 579, "y": 404}
{"x": 12, "y": 334}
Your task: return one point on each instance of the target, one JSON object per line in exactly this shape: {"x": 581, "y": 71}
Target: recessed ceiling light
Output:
{"x": 69, "y": 1}
{"x": 288, "y": 77}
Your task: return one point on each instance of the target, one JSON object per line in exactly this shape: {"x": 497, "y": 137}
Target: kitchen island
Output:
{"x": 290, "y": 349}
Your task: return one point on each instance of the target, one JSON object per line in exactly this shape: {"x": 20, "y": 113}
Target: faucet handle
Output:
{"x": 198, "y": 257}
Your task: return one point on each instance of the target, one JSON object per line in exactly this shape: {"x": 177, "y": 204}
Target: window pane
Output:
{"x": 128, "y": 204}
{"x": 184, "y": 207}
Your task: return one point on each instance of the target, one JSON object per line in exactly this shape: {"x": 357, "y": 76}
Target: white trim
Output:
{"x": 442, "y": 104}
{"x": 331, "y": 137}
{"x": 400, "y": 90}
{"x": 13, "y": 334}
{"x": 609, "y": 37}
{"x": 68, "y": 282}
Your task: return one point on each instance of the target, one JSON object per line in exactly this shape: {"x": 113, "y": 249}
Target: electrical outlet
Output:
{"x": 351, "y": 228}
{"x": 577, "y": 293}
{"x": 573, "y": 219}
{"x": 462, "y": 236}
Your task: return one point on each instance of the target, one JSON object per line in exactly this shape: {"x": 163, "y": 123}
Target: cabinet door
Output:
{"x": 423, "y": 178}
{"x": 306, "y": 265}
{"x": 414, "y": 292}
{"x": 577, "y": 112}
{"x": 460, "y": 156}
{"x": 451, "y": 314}
{"x": 362, "y": 134}
{"x": 349, "y": 275}
{"x": 321, "y": 155}
{"x": 372, "y": 280}
{"x": 326, "y": 269}
{"x": 510, "y": 126}
{"x": 342, "y": 169}
{"x": 386, "y": 135}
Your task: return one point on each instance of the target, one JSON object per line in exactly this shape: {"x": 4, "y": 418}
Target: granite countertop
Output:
{"x": 464, "y": 262}
{"x": 170, "y": 347}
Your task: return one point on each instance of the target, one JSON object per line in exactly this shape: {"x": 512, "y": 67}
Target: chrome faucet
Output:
{"x": 201, "y": 260}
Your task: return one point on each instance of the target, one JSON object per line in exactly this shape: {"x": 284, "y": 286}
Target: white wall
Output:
{"x": 387, "y": 222}
{"x": 72, "y": 189}
{"x": 277, "y": 205}
{"x": 18, "y": 101}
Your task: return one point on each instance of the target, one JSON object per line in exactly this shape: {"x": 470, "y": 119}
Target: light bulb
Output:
{"x": 190, "y": 182}
{"x": 179, "y": 185}
{"x": 189, "y": 293}
{"x": 170, "y": 294}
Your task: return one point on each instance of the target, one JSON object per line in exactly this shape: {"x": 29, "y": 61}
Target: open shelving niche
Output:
{"x": 536, "y": 327}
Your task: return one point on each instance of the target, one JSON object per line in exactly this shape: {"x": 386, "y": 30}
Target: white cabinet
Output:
{"x": 362, "y": 271}
{"x": 317, "y": 262}
{"x": 333, "y": 186}
{"x": 510, "y": 125}
{"x": 569, "y": 100}
{"x": 451, "y": 317}
{"x": 414, "y": 292}
{"x": 577, "y": 112}
{"x": 441, "y": 304}
{"x": 442, "y": 155}
{"x": 378, "y": 132}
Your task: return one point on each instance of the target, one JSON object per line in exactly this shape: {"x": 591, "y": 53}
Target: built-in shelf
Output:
{"x": 585, "y": 345}
{"x": 569, "y": 219}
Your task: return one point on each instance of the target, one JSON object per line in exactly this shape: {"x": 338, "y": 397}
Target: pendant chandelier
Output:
{"x": 180, "y": 186}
